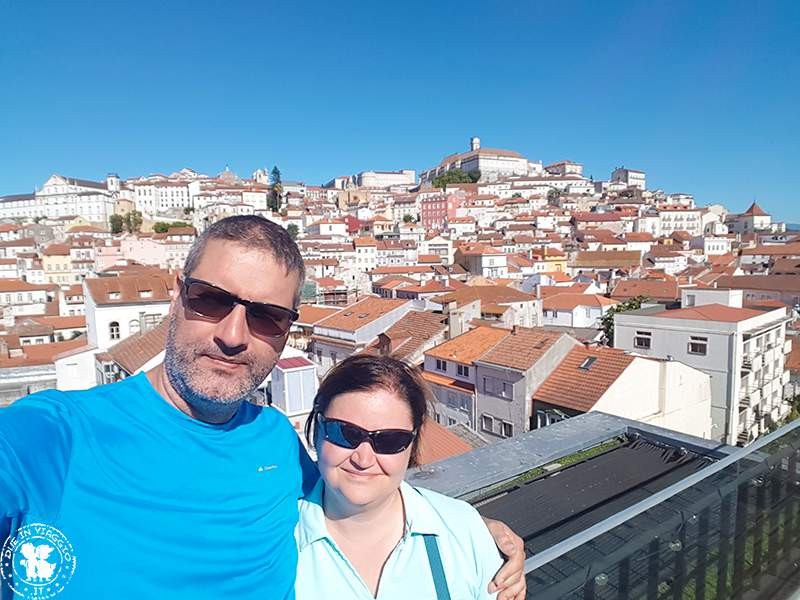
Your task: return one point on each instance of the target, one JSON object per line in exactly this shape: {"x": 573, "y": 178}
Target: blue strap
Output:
{"x": 439, "y": 580}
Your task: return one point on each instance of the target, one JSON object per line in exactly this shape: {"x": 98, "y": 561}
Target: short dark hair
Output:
{"x": 361, "y": 373}
{"x": 256, "y": 233}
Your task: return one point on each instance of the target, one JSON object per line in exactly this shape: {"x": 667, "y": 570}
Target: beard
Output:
{"x": 208, "y": 392}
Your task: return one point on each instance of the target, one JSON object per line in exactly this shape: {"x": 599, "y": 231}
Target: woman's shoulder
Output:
{"x": 453, "y": 513}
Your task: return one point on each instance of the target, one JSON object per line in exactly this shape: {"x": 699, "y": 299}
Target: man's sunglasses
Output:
{"x": 212, "y": 302}
{"x": 347, "y": 435}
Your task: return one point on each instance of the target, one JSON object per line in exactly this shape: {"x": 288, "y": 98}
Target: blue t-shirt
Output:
{"x": 113, "y": 493}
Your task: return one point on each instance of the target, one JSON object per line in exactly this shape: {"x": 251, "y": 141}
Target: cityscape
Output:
{"x": 527, "y": 293}
{"x": 576, "y": 228}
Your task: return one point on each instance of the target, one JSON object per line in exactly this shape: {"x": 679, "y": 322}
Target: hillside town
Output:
{"x": 526, "y": 293}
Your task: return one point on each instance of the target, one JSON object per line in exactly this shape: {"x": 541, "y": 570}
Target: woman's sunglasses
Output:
{"x": 347, "y": 435}
{"x": 212, "y": 302}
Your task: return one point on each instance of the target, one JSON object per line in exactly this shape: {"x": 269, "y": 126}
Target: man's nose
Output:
{"x": 232, "y": 331}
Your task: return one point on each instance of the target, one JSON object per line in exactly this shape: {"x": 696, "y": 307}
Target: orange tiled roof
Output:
{"x": 490, "y": 294}
{"x": 310, "y": 314}
{"x": 146, "y": 287}
{"x": 68, "y": 322}
{"x": 521, "y": 348}
{"x": 651, "y": 288}
{"x": 570, "y": 301}
{"x": 579, "y": 389}
{"x": 42, "y": 354}
{"x": 443, "y": 380}
{"x": 361, "y": 313}
{"x": 469, "y": 346}
{"x": 135, "y": 351}
{"x": 437, "y": 443}
{"x": 711, "y": 312}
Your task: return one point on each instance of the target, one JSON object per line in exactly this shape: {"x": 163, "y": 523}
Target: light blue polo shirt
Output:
{"x": 469, "y": 555}
{"x": 113, "y": 493}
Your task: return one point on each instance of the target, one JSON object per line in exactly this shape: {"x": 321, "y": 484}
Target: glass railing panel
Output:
{"x": 734, "y": 532}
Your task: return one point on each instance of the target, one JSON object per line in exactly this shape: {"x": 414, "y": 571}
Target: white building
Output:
{"x": 491, "y": 162}
{"x": 630, "y": 177}
{"x": 64, "y": 196}
{"x": 678, "y": 218}
{"x": 575, "y": 310}
{"x": 742, "y": 349}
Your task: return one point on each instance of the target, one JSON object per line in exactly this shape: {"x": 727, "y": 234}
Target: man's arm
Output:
{"x": 510, "y": 579}
{"x": 35, "y": 445}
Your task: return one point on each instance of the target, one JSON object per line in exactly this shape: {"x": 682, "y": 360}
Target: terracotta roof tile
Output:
{"x": 469, "y": 346}
{"x": 711, "y": 312}
{"x": 148, "y": 287}
{"x": 570, "y": 301}
{"x": 437, "y": 443}
{"x": 490, "y": 294}
{"x": 521, "y": 348}
{"x": 135, "y": 351}
{"x": 578, "y": 388}
{"x": 310, "y": 314}
{"x": 42, "y": 354}
{"x": 361, "y": 313}
{"x": 607, "y": 259}
{"x": 651, "y": 288}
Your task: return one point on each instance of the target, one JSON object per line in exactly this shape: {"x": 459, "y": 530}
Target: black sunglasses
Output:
{"x": 212, "y": 302}
{"x": 350, "y": 436}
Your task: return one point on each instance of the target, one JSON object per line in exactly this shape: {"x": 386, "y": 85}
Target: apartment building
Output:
{"x": 484, "y": 378}
{"x": 665, "y": 393}
{"x": 742, "y": 349}
{"x": 353, "y": 328}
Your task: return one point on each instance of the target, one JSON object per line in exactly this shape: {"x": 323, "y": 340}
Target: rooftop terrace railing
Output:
{"x": 728, "y": 531}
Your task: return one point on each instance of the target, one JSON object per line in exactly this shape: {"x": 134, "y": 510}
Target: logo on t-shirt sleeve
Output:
{"x": 37, "y": 562}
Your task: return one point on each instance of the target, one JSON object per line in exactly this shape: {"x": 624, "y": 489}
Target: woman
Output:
{"x": 363, "y": 531}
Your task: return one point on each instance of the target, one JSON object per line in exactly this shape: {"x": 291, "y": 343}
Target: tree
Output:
{"x": 163, "y": 227}
{"x": 116, "y": 222}
{"x": 607, "y": 322}
{"x": 133, "y": 221}
{"x": 274, "y": 202}
{"x": 552, "y": 195}
{"x": 293, "y": 230}
{"x": 408, "y": 219}
{"x": 474, "y": 175}
{"x": 516, "y": 195}
{"x": 453, "y": 176}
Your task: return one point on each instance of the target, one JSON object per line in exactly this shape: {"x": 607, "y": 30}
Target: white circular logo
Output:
{"x": 37, "y": 562}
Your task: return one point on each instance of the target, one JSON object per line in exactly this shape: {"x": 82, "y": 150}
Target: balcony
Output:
{"x": 787, "y": 346}
{"x": 611, "y": 508}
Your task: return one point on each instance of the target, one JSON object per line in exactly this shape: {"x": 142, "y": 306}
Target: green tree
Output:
{"x": 293, "y": 230}
{"x": 160, "y": 227}
{"x": 274, "y": 201}
{"x": 408, "y": 219}
{"x": 552, "y": 195}
{"x": 453, "y": 176}
{"x": 187, "y": 210}
{"x": 116, "y": 222}
{"x": 133, "y": 221}
{"x": 516, "y": 195}
{"x": 607, "y": 322}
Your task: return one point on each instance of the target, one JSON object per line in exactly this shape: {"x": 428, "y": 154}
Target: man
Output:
{"x": 170, "y": 483}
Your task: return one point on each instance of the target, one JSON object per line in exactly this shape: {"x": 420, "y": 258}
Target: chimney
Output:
{"x": 3, "y": 349}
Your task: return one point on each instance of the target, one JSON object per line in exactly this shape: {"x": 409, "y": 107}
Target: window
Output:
{"x": 334, "y": 357}
{"x": 450, "y": 421}
{"x": 587, "y": 363}
{"x": 507, "y": 429}
{"x": 642, "y": 340}
{"x": 487, "y": 423}
{"x": 113, "y": 330}
{"x": 441, "y": 365}
{"x": 133, "y": 326}
{"x": 462, "y": 370}
{"x": 698, "y": 345}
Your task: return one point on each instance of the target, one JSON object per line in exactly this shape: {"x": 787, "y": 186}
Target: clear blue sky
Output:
{"x": 704, "y": 96}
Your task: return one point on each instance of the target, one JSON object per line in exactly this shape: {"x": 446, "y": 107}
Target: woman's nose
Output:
{"x": 363, "y": 457}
